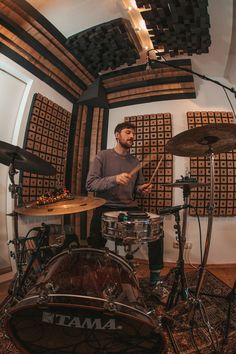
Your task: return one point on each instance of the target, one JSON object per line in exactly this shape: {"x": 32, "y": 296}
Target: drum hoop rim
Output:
{"x": 102, "y": 251}
{"x": 157, "y": 216}
{"x": 90, "y": 298}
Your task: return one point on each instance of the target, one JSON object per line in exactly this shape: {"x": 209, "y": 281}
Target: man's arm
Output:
{"x": 97, "y": 183}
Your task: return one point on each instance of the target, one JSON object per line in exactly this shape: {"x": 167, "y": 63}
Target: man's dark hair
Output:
{"x": 124, "y": 125}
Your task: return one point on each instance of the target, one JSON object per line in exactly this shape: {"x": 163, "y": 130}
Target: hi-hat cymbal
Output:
{"x": 216, "y": 138}
{"x": 63, "y": 207}
{"x": 24, "y": 160}
{"x": 189, "y": 185}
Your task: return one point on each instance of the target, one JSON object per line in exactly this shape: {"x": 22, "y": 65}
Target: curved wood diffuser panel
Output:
{"x": 90, "y": 137}
{"x": 29, "y": 39}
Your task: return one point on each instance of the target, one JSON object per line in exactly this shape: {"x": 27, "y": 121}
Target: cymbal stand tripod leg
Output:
{"x": 230, "y": 298}
{"x": 196, "y": 301}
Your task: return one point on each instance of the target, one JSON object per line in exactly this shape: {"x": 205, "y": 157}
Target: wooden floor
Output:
{"x": 226, "y": 273}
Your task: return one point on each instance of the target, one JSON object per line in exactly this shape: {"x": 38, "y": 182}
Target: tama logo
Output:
{"x": 77, "y": 322}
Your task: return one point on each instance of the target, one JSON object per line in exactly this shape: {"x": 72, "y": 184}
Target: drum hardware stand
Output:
{"x": 43, "y": 233}
{"x": 196, "y": 301}
{"x": 15, "y": 193}
{"x": 130, "y": 254}
{"x": 230, "y": 298}
{"x": 178, "y": 270}
{"x": 168, "y": 323}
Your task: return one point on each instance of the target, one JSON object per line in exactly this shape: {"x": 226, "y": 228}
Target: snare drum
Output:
{"x": 86, "y": 301}
{"x": 133, "y": 230}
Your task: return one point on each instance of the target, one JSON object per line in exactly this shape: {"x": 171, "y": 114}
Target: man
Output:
{"x": 109, "y": 176}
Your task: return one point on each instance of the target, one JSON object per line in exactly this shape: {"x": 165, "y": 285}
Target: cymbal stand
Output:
{"x": 196, "y": 301}
{"x": 179, "y": 269}
{"x": 15, "y": 193}
{"x": 230, "y": 298}
{"x": 41, "y": 237}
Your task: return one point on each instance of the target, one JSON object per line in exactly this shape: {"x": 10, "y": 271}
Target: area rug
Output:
{"x": 205, "y": 333}
{"x": 195, "y": 325}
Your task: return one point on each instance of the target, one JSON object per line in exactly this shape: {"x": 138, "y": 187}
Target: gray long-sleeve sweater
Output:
{"x": 102, "y": 178}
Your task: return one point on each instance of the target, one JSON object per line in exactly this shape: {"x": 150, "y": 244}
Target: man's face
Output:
{"x": 126, "y": 137}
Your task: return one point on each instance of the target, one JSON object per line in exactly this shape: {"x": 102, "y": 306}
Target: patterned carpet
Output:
{"x": 196, "y": 326}
{"x": 174, "y": 325}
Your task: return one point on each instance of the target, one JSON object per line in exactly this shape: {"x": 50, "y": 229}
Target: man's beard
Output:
{"x": 125, "y": 145}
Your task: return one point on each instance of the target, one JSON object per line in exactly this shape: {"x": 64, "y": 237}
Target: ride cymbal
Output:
{"x": 70, "y": 206}
{"x": 200, "y": 141}
{"x": 24, "y": 160}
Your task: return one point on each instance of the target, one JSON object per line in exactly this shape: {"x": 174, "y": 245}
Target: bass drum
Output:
{"x": 86, "y": 301}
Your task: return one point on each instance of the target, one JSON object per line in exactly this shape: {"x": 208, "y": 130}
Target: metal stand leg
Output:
{"x": 178, "y": 289}
{"x": 230, "y": 297}
{"x": 197, "y": 303}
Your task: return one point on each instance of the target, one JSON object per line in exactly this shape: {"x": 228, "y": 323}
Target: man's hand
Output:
{"x": 123, "y": 178}
{"x": 145, "y": 188}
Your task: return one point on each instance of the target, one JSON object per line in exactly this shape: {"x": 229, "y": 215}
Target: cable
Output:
{"x": 230, "y": 102}
{"x": 200, "y": 232}
{"x": 165, "y": 62}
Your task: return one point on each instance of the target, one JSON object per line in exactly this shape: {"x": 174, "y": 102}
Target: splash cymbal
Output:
{"x": 200, "y": 141}
{"x": 70, "y": 206}
{"x": 24, "y": 160}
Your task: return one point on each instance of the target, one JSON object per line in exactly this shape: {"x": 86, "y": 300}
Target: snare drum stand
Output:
{"x": 130, "y": 254}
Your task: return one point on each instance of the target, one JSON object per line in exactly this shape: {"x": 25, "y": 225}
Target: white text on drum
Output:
{"x": 72, "y": 321}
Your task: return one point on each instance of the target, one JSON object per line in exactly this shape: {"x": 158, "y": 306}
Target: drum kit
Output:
{"x": 87, "y": 300}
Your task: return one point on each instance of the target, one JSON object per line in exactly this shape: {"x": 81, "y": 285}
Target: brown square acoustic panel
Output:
{"x": 224, "y": 171}
{"x": 46, "y": 136}
{"x": 153, "y": 131}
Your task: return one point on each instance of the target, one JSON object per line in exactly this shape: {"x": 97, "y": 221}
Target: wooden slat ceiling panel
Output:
{"x": 148, "y": 92}
{"x": 145, "y": 76}
{"x": 165, "y": 82}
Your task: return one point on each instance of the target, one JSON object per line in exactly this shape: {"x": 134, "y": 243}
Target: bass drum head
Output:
{"x": 87, "y": 301}
{"x": 58, "y": 330}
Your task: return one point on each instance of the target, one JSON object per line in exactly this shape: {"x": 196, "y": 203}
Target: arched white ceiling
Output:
{"x": 73, "y": 16}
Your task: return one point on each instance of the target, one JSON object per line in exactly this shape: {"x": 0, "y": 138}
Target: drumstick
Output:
{"x": 143, "y": 163}
{"x": 156, "y": 169}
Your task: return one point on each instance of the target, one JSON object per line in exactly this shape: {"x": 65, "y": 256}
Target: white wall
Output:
{"x": 209, "y": 97}
{"x": 15, "y": 136}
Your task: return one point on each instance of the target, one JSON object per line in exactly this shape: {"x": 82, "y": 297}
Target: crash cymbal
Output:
{"x": 198, "y": 141}
{"x": 71, "y": 206}
{"x": 24, "y": 160}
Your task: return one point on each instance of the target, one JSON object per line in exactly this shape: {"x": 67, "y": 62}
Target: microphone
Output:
{"x": 148, "y": 64}
{"x": 172, "y": 210}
